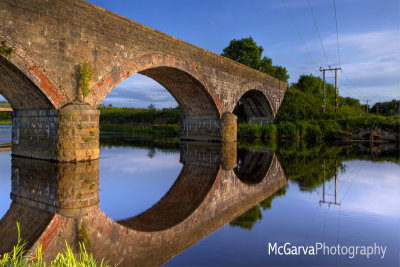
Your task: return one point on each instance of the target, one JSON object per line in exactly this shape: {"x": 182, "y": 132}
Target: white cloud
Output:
{"x": 371, "y": 60}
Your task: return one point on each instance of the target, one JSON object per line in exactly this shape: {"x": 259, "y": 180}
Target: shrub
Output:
{"x": 330, "y": 129}
{"x": 288, "y": 130}
{"x": 313, "y": 133}
{"x": 270, "y": 131}
{"x": 86, "y": 72}
{"x": 250, "y": 130}
{"x": 302, "y": 129}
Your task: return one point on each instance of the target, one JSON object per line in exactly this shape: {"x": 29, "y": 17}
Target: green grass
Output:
{"x": 6, "y": 121}
{"x": 135, "y": 116}
{"x": 153, "y": 131}
{"x": 20, "y": 257}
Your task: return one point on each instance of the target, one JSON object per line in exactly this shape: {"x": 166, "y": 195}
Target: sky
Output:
{"x": 368, "y": 34}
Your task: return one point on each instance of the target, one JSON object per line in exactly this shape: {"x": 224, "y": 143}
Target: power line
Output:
{"x": 298, "y": 32}
{"x": 319, "y": 36}
{"x": 347, "y": 88}
{"x": 350, "y": 88}
{"x": 337, "y": 32}
{"x": 355, "y": 87}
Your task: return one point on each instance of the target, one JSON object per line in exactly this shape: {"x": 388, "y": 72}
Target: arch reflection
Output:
{"x": 54, "y": 200}
{"x": 253, "y": 165}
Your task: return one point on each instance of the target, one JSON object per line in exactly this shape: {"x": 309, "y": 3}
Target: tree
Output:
{"x": 247, "y": 52}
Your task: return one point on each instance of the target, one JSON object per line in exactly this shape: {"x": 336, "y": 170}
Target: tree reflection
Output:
{"x": 248, "y": 219}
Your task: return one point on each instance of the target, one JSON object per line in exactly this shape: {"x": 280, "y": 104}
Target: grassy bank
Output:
{"x": 300, "y": 117}
{"x": 5, "y": 117}
{"x": 311, "y": 131}
{"x": 6, "y": 121}
{"x": 153, "y": 131}
{"x": 142, "y": 117}
{"x": 320, "y": 130}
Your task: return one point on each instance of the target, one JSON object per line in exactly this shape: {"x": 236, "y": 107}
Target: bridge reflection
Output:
{"x": 55, "y": 201}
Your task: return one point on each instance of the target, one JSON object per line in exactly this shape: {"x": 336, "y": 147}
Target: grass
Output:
{"x": 6, "y": 121}
{"x": 157, "y": 130}
{"x": 86, "y": 72}
{"x": 20, "y": 257}
{"x": 139, "y": 117}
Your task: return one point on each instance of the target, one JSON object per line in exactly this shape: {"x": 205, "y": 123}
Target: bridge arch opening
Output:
{"x": 254, "y": 108}
{"x": 199, "y": 120}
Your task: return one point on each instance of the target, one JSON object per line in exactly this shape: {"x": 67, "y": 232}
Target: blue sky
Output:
{"x": 369, "y": 38}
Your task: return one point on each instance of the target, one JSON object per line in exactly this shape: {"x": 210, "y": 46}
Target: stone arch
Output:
{"x": 256, "y": 106}
{"x": 25, "y": 83}
{"x": 183, "y": 80}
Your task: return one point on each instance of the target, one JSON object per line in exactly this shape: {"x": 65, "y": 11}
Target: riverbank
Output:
{"x": 328, "y": 128}
{"x": 7, "y": 121}
{"x": 314, "y": 131}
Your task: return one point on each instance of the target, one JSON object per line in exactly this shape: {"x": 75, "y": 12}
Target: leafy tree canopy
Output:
{"x": 247, "y": 52}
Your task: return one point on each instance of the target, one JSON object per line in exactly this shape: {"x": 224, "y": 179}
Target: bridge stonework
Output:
{"x": 52, "y": 38}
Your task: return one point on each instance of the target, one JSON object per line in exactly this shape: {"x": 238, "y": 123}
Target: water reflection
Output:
{"x": 253, "y": 164}
{"x": 70, "y": 189}
{"x": 58, "y": 201}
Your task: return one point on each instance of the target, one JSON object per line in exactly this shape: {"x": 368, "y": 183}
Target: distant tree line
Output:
{"x": 386, "y": 108}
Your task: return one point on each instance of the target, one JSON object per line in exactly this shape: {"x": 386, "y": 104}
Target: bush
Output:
{"x": 330, "y": 129}
{"x": 250, "y": 130}
{"x": 313, "y": 133}
{"x": 288, "y": 130}
{"x": 302, "y": 129}
{"x": 270, "y": 131}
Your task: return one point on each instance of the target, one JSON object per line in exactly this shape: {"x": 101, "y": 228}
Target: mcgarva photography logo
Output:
{"x": 324, "y": 249}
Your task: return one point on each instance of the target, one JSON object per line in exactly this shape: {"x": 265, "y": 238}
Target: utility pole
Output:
{"x": 336, "y": 92}
{"x": 336, "y": 89}
{"x": 324, "y": 105}
{"x": 367, "y": 104}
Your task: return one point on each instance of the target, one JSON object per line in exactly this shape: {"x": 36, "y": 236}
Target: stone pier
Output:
{"x": 70, "y": 134}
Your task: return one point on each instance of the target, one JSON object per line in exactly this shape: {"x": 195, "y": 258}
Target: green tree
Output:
{"x": 247, "y": 52}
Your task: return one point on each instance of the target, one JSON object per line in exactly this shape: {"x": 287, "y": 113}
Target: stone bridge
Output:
{"x": 51, "y": 39}
{"x": 55, "y": 204}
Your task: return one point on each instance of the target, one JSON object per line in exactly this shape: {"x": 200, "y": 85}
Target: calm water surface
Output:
{"x": 303, "y": 210}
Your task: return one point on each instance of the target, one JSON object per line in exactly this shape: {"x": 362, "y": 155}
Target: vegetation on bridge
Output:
{"x": 86, "y": 74}
{"x": 5, "y": 50}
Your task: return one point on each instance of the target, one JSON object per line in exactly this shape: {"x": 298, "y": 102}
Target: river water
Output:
{"x": 187, "y": 204}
